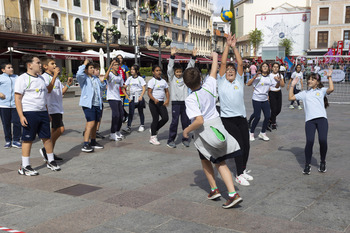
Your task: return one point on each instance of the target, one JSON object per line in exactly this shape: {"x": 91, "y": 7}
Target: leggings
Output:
{"x": 258, "y": 106}
{"x": 156, "y": 111}
{"x": 238, "y": 128}
{"x": 295, "y": 91}
{"x": 139, "y": 106}
{"x": 321, "y": 124}
{"x": 117, "y": 115}
{"x": 275, "y": 98}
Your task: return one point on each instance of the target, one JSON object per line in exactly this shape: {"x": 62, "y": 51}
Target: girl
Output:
{"x": 299, "y": 86}
{"x": 125, "y": 73}
{"x": 157, "y": 91}
{"x": 137, "y": 90}
{"x": 114, "y": 82}
{"x": 315, "y": 104}
{"x": 261, "y": 83}
{"x": 275, "y": 94}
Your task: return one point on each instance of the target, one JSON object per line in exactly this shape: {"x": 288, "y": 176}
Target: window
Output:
{"x": 322, "y": 40}
{"x": 183, "y": 37}
{"x": 76, "y": 3}
{"x": 323, "y": 19}
{"x": 175, "y": 36}
{"x": 174, "y": 11}
{"x": 55, "y": 20}
{"x": 347, "y": 14}
{"x": 78, "y": 32}
{"x": 97, "y": 5}
{"x": 347, "y": 35}
{"x": 165, "y": 31}
{"x": 115, "y": 2}
{"x": 115, "y": 21}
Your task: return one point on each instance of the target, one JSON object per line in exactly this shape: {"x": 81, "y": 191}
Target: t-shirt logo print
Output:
{"x": 317, "y": 94}
{"x": 236, "y": 87}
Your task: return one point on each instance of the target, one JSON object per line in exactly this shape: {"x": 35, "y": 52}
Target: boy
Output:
{"x": 210, "y": 137}
{"x": 91, "y": 102}
{"x": 55, "y": 94}
{"x": 178, "y": 94}
{"x": 30, "y": 99}
{"x": 8, "y": 111}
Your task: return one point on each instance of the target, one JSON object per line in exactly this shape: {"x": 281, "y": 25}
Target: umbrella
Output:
{"x": 102, "y": 62}
{"x": 121, "y": 52}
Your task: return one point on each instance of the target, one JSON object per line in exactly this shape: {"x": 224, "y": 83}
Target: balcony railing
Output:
{"x": 34, "y": 27}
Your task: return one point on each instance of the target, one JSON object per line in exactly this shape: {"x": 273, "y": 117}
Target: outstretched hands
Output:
{"x": 194, "y": 51}
{"x": 173, "y": 51}
{"x": 231, "y": 40}
{"x": 329, "y": 72}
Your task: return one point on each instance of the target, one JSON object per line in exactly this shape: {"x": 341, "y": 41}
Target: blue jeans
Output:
{"x": 8, "y": 116}
{"x": 258, "y": 106}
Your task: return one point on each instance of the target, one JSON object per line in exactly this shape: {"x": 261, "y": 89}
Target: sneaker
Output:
{"x": 246, "y": 175}
{"x": 264, "y": 137}
{"x": 322, "y": 167}
{"x": 127, "y": 129}
{"x": 307, "y": 169}
{"x": 232, "y": 201}
{"x": 186, "y": 143}
{"x": 98, "y": 135}
{"x": 274, "y": 126}
{"x": 119, "y": 136}
{"x": 53, "y": 166}
{"x": 112, "y": 137}
{"x": 87, "y": 148}
{"x": 291, "y": 106}
{"x": 150, "y": 131}
{"x": 7, "y": 145}
{"x": 153, "y": 140}
{"x": 214, "y": 194}
{"x": 55, "y": 157}
{"x": 241, "y": 180}
{"x": 17, "y": 144}
{"x": 43, "y": 154}
{"x": 251, "y": 137}
{"x": 141, "y": 128}
{"x": 27, "y": 171}
{"x": 268, "y": 128}
{"x": 97, "y": 146}
{"x": 299, "y": 107}
{"x": 125, "y": 120}
{"x": 171, "y": 144}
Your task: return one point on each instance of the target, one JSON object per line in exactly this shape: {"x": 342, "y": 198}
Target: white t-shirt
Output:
{"x": 54, "y": 99}
{"x": 34, "y": 92}
{"x": 113, "y": 84}
{"x": 136, "y": 85}
{"x": 300, "y": 76}
{"x": 202, "y": 102}
{"x": 262, "y": 86}
{"x": 158, "y": 88}
{"x": 313, "y": 101}
{"x": 274, "y": 82}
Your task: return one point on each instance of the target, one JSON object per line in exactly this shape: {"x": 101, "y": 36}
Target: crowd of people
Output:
{"x": 33, "y": 100}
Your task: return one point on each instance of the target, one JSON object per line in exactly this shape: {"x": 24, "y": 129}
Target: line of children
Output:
{"x": 8, "y": 110}
{"x": 298, "y": 87}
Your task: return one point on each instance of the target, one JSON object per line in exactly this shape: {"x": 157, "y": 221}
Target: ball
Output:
{"x": 226, "y": 16}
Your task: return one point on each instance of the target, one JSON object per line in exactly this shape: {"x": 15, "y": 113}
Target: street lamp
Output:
{"x": 159, "y": 39}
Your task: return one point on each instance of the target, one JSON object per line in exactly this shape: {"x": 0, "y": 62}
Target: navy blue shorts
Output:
{"x": 38, "y": 123}
{"x": 56, "y": 120}
{"x": 92, "y": 114}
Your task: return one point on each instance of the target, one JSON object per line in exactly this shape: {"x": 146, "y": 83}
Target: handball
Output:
{"x": 226, "y": 16}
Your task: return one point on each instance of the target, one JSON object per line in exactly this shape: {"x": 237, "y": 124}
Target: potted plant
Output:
{"x": 99, "y": 27}
{"x": 97, "y": 36}
{"x": 166, "y": 17}
{"x": 115, "y": 32}
{"x": 155, "y": 36}
{"x": 168, "y": 41}
{"x": 151, "y": 41}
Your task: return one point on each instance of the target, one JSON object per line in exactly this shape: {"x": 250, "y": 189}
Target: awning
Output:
{"x": 178, "y": 58}
{"x": 72, "y": 55}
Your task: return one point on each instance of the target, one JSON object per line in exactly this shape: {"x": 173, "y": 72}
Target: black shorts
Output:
{"x": 56, "y": 120}
{"x": 38, "y": 123}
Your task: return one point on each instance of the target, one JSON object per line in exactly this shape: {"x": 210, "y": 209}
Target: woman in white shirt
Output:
{"x": 298, "y": 87}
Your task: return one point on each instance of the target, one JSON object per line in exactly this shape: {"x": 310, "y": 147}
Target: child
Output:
{"x": 54, "y": 101}
{"x": 91, "y": 102}
{"x": 178, "y": 94}
{"x": 315, "y": 104}
{"x": 125, "y": 73}
{"x": 157, "y": 91}
{"x": 8, "y": 110}
{"x": 298, "y": 87}
{"x": 30, "y": 98}
{"x": 261, "y": 83}
{"x": 97, "y": 74}
{"x": 137, "y": 89}
{"x": 210, "y": 137}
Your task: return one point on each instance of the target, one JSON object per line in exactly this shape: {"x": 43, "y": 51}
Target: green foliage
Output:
{"x": 204, "y": 71}
{"x": 255, "y": 38}
{"x": 63, "y": 75}
{"x": 287, "y": 44}
{"x": 146, "y": 71}
{"x": 233, "y": 20}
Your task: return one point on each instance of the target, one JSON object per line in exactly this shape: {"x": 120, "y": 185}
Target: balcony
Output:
{"x": 33, "y": 27}
{"x": 177, "y": 21}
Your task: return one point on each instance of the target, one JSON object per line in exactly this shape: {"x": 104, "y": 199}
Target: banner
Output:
{"x": 337, "y": 75}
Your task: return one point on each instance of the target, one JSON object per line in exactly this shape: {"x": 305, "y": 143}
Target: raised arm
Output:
{"x": 250, "y": 82}
{"x": 170, "y": 71}
{"x": 222, "y": 70}
{"x": 237, "y": 55}
{"x": 192, "y": 61}
{"x": 52, "y": 83}
{"x": 330, "y": 81}
{"x": 67, "y": 86}
{"x": 81, "y": 76}
{"x": 109, "y": 70}
{"x": 291, "y": 95}
{"x": 214, "y": 66}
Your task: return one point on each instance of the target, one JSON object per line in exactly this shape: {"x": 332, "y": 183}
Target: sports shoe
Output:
{"x": 87, "y": 148}
{"x": 97, "y": 145}
{"x": 291, "y": 106}
{"x": 307, "y": 169}
{"x": 57, "y": 158}
{"x": 43, "y": 154}
{"x": 251, "y": 137}
{"x": 274, "y": 126}
{"x": 263, "y": 136}
{"x": 241, "y": 180}
{"x": 150, "y": 131}
{"x": 7, "y": 145}
{"x": 171, "y": 144}
{"x": 98, "y": 135}
{"x": 214, "y": 194}
{"x": 299, "y": 107}
{"x": 17, "y": 144}
{"x": 127, "y": 129}
{"x": 27, "y": 171}
{"x": 141, "y": 128}
{"x": 125, "y": 120}
{"x": 53, "y": 166}
{"x": 112, "y": 137}
{"x": 232, "y": 201}
{"x": 246, "y": 176}
{"x": 119, "y": 136}
{"x": 153, "y": 140}
{"x": 186, "y": 143}
{"x": 322, "y": 167}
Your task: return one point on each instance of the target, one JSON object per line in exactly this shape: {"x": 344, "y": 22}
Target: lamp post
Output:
{"x": 207, "y": 33}
{"x": 159, "y": 39}
{"x": 98, "y": 35}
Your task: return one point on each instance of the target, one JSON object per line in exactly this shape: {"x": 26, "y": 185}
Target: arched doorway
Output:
{"x": 78, "y": 31}
{"x": 55, "y": 20}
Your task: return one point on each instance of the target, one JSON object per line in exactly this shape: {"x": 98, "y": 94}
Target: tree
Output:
{"x": 287, "y": 44}
{"x": 233, "y": 20}
{"x": 255, "y": 38}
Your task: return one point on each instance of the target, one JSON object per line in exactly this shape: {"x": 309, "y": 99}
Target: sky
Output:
{"x": 218, "y": 4}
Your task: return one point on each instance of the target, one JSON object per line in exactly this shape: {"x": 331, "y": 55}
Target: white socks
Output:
{"x": 50, "y": 157}
{"x": 25, "y": 161}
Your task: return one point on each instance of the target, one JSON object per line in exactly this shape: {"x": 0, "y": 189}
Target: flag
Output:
{"x": 289, "y": 63}
{"x": 279, "y": 60}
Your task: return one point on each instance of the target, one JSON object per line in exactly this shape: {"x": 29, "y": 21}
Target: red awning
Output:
{"x": 71, "y": 55}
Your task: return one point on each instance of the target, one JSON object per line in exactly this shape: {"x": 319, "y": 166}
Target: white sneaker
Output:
{"x": 264, "y": 137}
{"x": 112, "y": 137}
{"x": 153, "y": 140}
{"x": 241, "y": 180}
{"x": 246, "y": 176}
{"x": 291, "y": 106}
{"x": 119, "y": 136}
{"x": 141, "y": 128}
{"x": 251, "y": 137}
{"x": 299, "y": 107}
